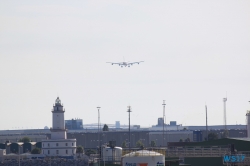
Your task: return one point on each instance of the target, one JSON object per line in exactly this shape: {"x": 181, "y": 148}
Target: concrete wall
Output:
{"x": 17, "y": 137}
{"x": 204, "y": 161}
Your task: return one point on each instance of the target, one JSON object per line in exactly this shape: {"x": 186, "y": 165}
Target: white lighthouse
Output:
{"x": 58, "y": 145}
{"x": 58, "y": 129}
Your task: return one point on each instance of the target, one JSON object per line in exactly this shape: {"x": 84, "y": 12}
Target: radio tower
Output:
{"x": 225, "y": 116}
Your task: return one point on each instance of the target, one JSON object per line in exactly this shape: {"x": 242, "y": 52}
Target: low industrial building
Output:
{"x": 218, "y": 152}
{"x": 73, "y": 124}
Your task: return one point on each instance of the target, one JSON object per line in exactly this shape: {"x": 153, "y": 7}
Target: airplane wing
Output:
{"x": 131, "y": 63}
{"x": 116, "y": 63}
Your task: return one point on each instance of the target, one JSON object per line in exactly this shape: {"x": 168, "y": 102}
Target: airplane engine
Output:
{"x": 128, "y": 66}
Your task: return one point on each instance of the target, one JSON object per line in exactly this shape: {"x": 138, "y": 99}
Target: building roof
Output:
{"x": 241, "y": 139}
{"x": 241, "y": 144}
{"x": 143, "y": 153}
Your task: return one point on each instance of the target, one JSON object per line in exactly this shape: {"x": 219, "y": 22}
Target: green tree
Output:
{"x": 25, "y": 140}
{"x": 187, "y": 140}
{"x": 90, "y": 151}
{"x": 36, "y": 151}
{"x": 212, "y": 136}
{"x": 105, "y": 128}
{"x": 181, "y": 140}
{"x": 139, "y": 144}
{"x": 124, "y": 145}
{"x": 152, "y": 144}
{"x": 79, "y": 150}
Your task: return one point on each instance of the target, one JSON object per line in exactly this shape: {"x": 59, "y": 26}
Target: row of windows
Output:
{"x": 57, "y": 144}
{"x": 57, "y": 151}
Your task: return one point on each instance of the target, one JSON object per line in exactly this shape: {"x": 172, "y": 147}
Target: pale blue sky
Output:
{"x": 194, "y": 51}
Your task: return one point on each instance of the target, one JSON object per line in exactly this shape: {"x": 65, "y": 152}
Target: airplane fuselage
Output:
{"x": 125, "y": 63}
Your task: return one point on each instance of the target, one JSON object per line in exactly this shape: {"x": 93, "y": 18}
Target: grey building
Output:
{"x": 73, "y": 124}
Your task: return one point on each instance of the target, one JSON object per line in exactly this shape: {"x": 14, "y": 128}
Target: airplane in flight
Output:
{"x": 125, "y": 64}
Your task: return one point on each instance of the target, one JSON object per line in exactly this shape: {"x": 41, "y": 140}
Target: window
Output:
{"x": 43, "y": 145}
{"x": 56, "y": 144}
{"x": 66, "y": 144}
{"x": 66, "y": 151}
{"x": 48, "y": 151}
{"x": 72, "y": 144}
{"x": 57, "y": 151}
{"x": 48, "y": 145}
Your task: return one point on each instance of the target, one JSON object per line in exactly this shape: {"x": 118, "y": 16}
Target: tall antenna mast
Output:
{"x": 225, "y": 116}
{"x": 206, "y": 123}
{"x": 99, "y": 143}
{"x": 163, "y": 122}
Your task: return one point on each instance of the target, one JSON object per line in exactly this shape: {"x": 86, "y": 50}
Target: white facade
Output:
{"x": 58, "y": 135}
{"x": 111, "y": 154}
{"x": 2, "y": 152}
{"x": 58, "y": 122}
{"x": 58, "y": 145}
{"x": 143, "y": 158}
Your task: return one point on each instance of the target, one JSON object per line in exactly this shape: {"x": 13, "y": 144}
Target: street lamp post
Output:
{"x": 133, "y": 141}
{"x": 19, "y": 154}
{"x": 84, "y": 140}
{"x": 104, "y": 157}
{"x": 163, "y": 122}
{"x": 103, "y": 139}
{"x": 129, "y": 110}
{"x": 99, "y": 131}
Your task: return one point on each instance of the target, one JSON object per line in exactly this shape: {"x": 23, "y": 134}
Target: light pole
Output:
{"x": 206, "y": 123}
{"x": 99, "y": 132}
{"x": 103, "y": 139}
{"x": 19, "y": 146}
{"x": 225, "y": 116}
{"x": 129, "y": 110}
{"x": 84, "y": 140}
{"x": 133, "y": 142}
{"x": 104, "y": 157}
{"x": 163, "y": 122}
